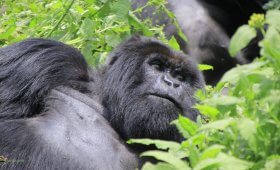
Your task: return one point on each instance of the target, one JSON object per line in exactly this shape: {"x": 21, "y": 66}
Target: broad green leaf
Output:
{"x": 233, "y": 75}
{"x": 183, "y": 132}
{"x": 196, "y": 140}
{"x": 229, "y": 162}
{"x": 273, "y": 18}
{"x": 160, "y": 144}
{"x": 273, "y": 97}
{"x": 188, "y": 125}
{"x": 223, "y": 100}
{"x": 211, "y": 152}
{"x": 139, "y": 25}
{"x": 158, "y": 166}
{"x": 209, "y": 111}
{"x": 193, "y": 155}
{"x": 169, "y": 158}
{"x": 271, "y": 44}
{"x": 87, "y": 51}
{"x": 112, "y": 39}
{"x": 208, "y": 164}
{"x": 8, "y": 32}
{"x": 273, "y": 163}
{"x": 121, "y": 8}
{"x": 241, "y": 39}
{"x": 87, "y": 28}
{"x": 105, "y": 9}
{"x": 248, "y": 129}
{"x": 204, "y": 67}
{"x": 219, "y": 124}
{"x": 174, "y": 44}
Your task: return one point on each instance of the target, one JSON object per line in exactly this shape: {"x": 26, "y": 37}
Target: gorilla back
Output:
{"x": 56, "y": 113}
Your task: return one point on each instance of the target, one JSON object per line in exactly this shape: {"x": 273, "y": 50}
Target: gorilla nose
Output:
{"x": 170, "y": 81}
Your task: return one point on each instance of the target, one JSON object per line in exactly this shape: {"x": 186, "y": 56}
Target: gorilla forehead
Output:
{"x": 139, "y": 47}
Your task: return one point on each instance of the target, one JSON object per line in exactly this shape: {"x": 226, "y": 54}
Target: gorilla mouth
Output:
{"x": 167, "y": 97}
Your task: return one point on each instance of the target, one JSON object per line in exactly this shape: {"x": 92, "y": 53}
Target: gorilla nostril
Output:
{"x": 167, "y": 81}
{"x": 175, "y": 85}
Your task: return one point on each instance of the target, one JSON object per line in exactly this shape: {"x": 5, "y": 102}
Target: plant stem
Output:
{"x": 61, "y": 19}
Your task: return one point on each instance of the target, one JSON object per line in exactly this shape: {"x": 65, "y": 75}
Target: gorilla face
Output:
{"x": 146, "y": 86}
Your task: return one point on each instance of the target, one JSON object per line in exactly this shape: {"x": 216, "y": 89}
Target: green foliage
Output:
{"x": 241, "y": 39}
{"x": 272, "y": 4}
{"x": 203, "y": 67}
{"x": 240, "y": 123}
{"x": 93, "y": 26}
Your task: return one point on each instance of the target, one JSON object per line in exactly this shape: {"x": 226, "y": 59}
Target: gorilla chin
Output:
{"x": 156, "y": 124}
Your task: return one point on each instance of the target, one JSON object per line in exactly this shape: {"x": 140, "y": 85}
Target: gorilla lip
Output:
{"x": 167, "y": 97}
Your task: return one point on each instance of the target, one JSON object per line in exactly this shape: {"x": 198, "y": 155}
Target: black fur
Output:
{"x": 52, "y": 106}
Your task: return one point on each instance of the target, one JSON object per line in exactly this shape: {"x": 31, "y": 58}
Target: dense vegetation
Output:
{"x": 240, "y": 123}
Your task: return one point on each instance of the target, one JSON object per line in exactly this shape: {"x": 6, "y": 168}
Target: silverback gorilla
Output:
{"x": 208, "y": 25}
{"x": 57, "y": 113}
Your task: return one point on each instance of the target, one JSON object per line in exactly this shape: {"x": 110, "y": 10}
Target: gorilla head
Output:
{"x": 146, "y": 86}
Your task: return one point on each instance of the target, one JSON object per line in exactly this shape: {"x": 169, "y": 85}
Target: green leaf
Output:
{"x": 183, "y": 132}
{"x": 223, "y": 100}
{"x": 112, "y": 39}
{"x": 271, "y": 44}
{"x": 232, "y": 163}
{"x": 209, "y": 111}
{"x": 87, "y": 28}
{"x": 8, "y": 32}
{"x": 160, "y": 144}
{"x": 169, "y": 158}
{"x": 197, "y": 140}
{"x": 203, "y": 67}
{"x": 248, "y": 129}
{"x": 87, "y": 52}
{"x": 121, "y": 8}
{"x": 208, "y": 164}
{"x": 241, "y": 39}
{"x": 133, "y": 21}
{"x": 159, "y": 166}
{"x": 188, "y": 125}
{"x": 219, "y": 124}
{"x": 273, "y": 18}
{"x": 273, "y": 163}
{"x": 236, "y": 73}
{"x": 105, "y": 9}
{"x": 211, "y": 152}
{"x": 174, "y": 44}
{"x": 193, "y": 155}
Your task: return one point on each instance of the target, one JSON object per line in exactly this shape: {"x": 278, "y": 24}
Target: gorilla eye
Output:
{"x": 181, "y": 78}
{"x": 157, "y": 64}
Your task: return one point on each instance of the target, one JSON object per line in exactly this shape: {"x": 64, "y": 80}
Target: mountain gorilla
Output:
{"x": 208, "y": 25}
{"x": 57, "y": 113}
